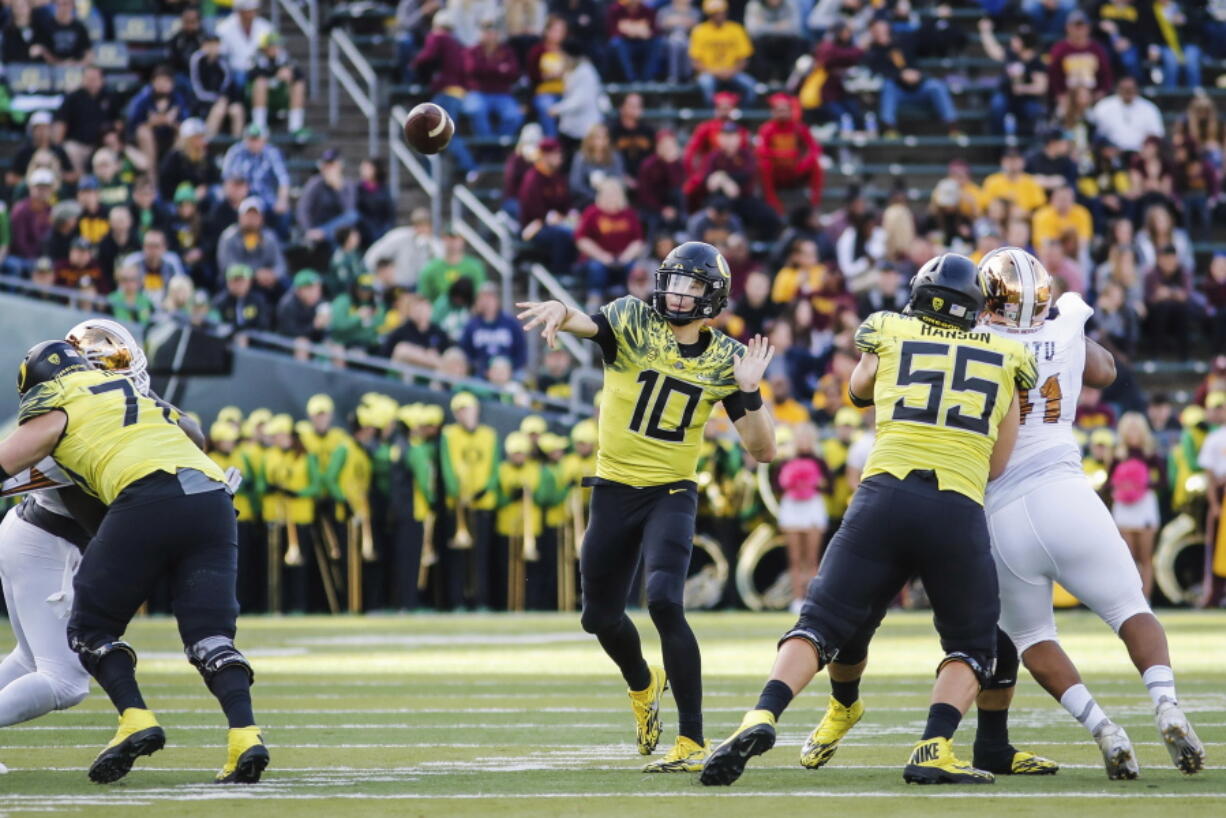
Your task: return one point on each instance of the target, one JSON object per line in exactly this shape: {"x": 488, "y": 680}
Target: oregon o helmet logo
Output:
{"x": 938, "y": 302}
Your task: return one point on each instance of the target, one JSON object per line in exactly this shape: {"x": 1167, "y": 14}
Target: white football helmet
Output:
{"x": 110, "y": 345}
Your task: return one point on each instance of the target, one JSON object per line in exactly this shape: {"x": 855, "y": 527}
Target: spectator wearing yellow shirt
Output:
{"x": 806, "y": 278}
{"x": 970, "y": 195}
{"x": 785, "y": 408}
{"x": 1013, "y": 185}
{"x": 1052, "y": 221}
{"x": 719, "y": 50}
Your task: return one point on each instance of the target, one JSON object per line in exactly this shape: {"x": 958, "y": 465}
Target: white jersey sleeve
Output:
{"x": 1045, "y": 444}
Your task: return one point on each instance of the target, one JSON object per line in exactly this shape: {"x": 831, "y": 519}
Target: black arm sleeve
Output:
{"x": 604, "y": 337}
{"x": 857, "y": 401}
{"x": 734, "y": 405}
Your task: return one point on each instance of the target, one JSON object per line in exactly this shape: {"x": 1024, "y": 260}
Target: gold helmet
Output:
{"x": 109, "y": 345}
{"x": 1018, "y": 288}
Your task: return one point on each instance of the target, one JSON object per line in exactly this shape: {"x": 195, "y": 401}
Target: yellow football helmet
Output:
{"x": 110, "y": 345}
{"x": 1018, "y": 288}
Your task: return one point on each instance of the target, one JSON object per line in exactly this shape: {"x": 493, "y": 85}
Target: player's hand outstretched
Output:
{"x": 749, "y": 368}
{"x": 548, "y": 315}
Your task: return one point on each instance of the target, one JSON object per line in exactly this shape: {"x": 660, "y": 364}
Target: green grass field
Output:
{"x": 523, "y": 715}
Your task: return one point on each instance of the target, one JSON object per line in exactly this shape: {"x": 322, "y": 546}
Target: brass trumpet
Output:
{"x": 428, "y": 555}
{"x": 529, "y": 512}
{"x": 368, "y": 541}
{"x": 293, "y": 553}
{"x": 463, "y": 538}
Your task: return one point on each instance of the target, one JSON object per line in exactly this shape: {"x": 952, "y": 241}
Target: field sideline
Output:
{"x": 469, "y": 715}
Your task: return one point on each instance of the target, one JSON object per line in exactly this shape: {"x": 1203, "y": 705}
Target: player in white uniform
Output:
{"x": 41, "y": 542}
{"x": 1047, "y": 524}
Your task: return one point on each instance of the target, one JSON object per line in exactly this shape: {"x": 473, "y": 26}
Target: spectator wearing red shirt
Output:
{"x": 610, "y": 240}
{"x": 445, "y": 60}
{"x": 705, "y": 137}
{"x": 731, "y": 172}
{"x": 545, "y": 207}
{"x": 660, "y": 178}
{"x": 492, "y": 71}
{"x": 836, "y": 53}
{"x": 519, "y": 162}
{"x": 1078, "y": 62}
{"x": 788, "y": 156}
{"x": 633, "y": 37}
{"x": 30, "y": 221}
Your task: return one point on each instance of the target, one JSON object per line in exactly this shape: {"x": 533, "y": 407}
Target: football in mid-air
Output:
{"x": 428, "y": 129}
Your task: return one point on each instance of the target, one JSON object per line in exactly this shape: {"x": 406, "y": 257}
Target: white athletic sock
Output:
{"x": 259, "y": 116}
{"x": 1081, "y": 706}
{"x": 29, "y": 697}
{"x": 1160, "y": 682}
{"x": 297, "y": 118}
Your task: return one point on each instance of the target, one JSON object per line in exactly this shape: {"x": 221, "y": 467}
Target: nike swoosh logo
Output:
{"x": 675, "y": 491}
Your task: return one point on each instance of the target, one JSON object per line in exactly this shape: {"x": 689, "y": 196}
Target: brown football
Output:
{"x": 428, "y": 129}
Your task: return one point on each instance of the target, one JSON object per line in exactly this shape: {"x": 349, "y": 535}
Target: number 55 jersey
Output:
{"x": 1045, "y": 446}
{"x": 940, "y": 396}
{"x": 657, "y": 394}
{"x": 115, "y": 435}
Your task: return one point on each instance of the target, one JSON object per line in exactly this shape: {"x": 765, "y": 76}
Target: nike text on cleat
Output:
{"x": 824, "y": 740}
{"x": 646, "y": 706}
{"x": 246, "y": 757}
{"x": 1187, "y": 752}
{"x": 1118, "y": 757}
{"x": 933, "y": 762}
{"x": 1011, "y": 761}
{"x": 138, "y": 735}
{"x": 686, "y": 756}
{"x": 754, "y": 737}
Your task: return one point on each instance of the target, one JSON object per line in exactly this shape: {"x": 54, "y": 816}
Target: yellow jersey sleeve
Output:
{"x": 940, "y": 397}
{"x": 114, "y": 435}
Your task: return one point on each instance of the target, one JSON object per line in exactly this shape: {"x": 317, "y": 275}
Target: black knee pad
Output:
{"x": 1007, "y": 663}
{"x": 982, "y": 665}
{"x": 91, "y": 652}
{"x": 805, "y": 632}
{"x": 215, "y": 653}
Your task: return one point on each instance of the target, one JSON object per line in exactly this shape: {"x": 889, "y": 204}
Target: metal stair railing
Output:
{"x": 308, "y": 23}
{"x": 340, "y": 50}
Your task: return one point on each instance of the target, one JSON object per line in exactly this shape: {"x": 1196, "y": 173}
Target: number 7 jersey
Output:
{"x": 656, "y": 399}
{"x": 940, "y": 396}
{"x": 114, "y": 435}
{"x": 1045, "y": 446}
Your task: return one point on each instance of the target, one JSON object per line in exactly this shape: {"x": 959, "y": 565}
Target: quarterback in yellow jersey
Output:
{"x": 947, "y": 416}
{"x": 169, "y": 514}
{"x": 664, "y": 371}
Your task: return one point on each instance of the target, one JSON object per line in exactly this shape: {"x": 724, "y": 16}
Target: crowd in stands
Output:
{"x": 170, "y": 198}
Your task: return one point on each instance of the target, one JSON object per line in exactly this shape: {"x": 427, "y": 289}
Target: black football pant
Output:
{"x": 658, "y": 523}
{"x": 154, "y": 530}
{"x": 894, "y": 530}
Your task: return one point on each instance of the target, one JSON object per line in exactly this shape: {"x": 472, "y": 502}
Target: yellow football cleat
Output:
{"x": 1025, "y": 763}
{"x": 754, "y": 737}
{"x": 646, "y": 706}
{"x": 246, "y": 759}
{"x": 138, "y": 735}
{"x": 825, "y": 738}
{"x": 686, "y": 757}
{"x": 933, "y": 762}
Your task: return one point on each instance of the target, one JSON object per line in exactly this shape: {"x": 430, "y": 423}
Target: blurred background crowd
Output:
{"x": 159, "y": 166}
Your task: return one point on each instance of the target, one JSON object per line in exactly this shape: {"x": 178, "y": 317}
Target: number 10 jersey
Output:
{"x": 1045, "y": 448}
{"x": 940, "y": 396}
{"x": 657, "y": 396}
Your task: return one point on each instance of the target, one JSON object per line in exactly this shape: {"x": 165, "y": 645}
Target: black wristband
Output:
{"x": 751, "y": 400}
{"x": 857, "y": 401}
{"x": 4, "y": 475}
